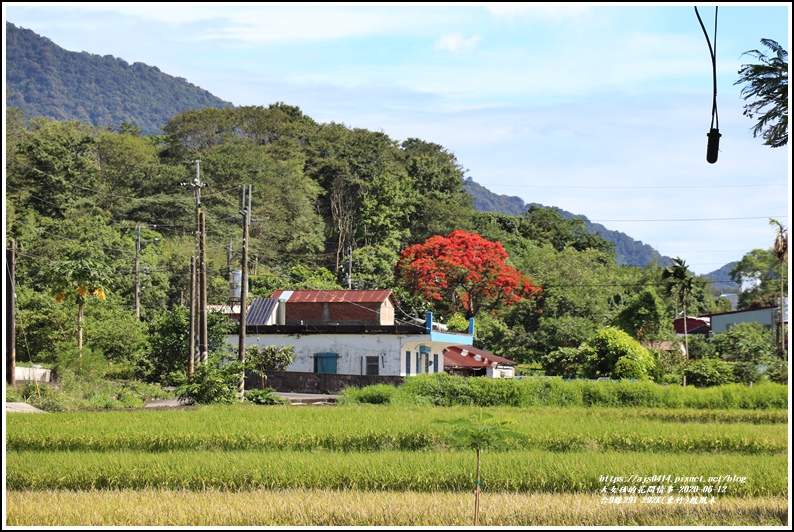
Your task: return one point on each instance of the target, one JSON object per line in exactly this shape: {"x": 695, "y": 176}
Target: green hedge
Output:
{"x": 442, "y": 389}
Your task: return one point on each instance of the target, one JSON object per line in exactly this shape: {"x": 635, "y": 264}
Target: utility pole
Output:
{"x": 11, "y": 345}
{"x": 246, "y": 221}
{"x": 349, "y": 267}
{"x": 191, "y": 360}
{"x": 201, "y": 269}
{"x": 229, "y": 253}
{"x": 137, "y": 271}
{"x": 202, "y": 275}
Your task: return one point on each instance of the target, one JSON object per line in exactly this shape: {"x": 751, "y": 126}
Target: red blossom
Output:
{"x": 462, "y": 272}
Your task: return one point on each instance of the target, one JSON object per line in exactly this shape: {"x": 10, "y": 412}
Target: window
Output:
{"x": 325, "y": 362}
{"x": 407, "y": 362}
{"x": 372, "y": 365}
{"x": 435, "y": 363}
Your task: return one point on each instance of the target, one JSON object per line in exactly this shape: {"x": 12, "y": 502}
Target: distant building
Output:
{"x": 733, "y": 298}
{"x": 349, "y": 332}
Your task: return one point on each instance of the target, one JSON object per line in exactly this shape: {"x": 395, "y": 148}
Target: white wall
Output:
{"x": 353, "y": 350}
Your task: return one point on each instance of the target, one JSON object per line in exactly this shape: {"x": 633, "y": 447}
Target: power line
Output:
{"x": 626, "y": 187}
{"x": 696, "y": 219}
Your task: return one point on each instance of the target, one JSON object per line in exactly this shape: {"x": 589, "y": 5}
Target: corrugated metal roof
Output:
{"x": 455, "y": 359}
{"x": 261, "y": 311}
{"x": 458, "y": 352}
{"x": 332, "y": 296}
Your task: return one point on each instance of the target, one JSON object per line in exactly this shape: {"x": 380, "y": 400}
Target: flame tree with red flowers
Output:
{"x": 462, "y": 272}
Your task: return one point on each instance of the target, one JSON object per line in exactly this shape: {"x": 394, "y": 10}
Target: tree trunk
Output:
{"x": 80, "y": 327}
{"x": 477, "y": 493}
{"x": 686, "y": 346}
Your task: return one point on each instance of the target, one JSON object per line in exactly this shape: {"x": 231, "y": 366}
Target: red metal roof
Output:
{"x": 454, "y": 356}
{"x": 332, "y": 296}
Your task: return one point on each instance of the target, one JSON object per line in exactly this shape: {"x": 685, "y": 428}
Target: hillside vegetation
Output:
{"x": 45, "y": 80}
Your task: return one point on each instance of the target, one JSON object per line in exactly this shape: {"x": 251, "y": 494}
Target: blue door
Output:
{"x": 325, "y": 363}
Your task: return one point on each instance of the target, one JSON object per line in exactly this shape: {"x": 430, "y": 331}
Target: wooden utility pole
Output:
{"x": 246, "y": 221}
{"x": 138, "y": 271}
{"x": 191, "y": 359}
{"x": 202, "y": 275}
{"x": 11, "y": 346}
{"x": 201, "y": 272}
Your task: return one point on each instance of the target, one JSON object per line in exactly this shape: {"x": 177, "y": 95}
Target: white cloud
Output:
{"x": 457, "y": 42}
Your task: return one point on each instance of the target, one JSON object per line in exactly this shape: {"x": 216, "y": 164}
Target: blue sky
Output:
{"x": 601, "y": 110}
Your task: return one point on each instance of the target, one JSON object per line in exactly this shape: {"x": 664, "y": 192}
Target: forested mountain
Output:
{"x": 628, "y": 251}
{"x": 45, "y": 80}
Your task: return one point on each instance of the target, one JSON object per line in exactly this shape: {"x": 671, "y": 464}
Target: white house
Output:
{"x": 348, "y": 332}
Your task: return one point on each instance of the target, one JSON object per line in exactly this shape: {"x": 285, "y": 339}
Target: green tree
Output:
{"x": 766, "y": 82}
{"x": 681, "y": 285}
{"x": 760, "y": 275}
{"x": 269, "y": 358}
{"x": 608, "y": 347}
{"x": 780, "y": 250}
{"x": 478, "y": 432}
{"x": 708, "y": 372}
{"x": 546, "y": 225}
{"x": 747, "y": 342}
{"x": 77, "y": 279}
{"x": 645, "y": 318}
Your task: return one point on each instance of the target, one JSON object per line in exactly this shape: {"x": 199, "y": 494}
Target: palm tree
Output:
{"x": 768, "y": 85}
{"x": 681, "y": 285}
{"x": 480, "y": 431}
{"x": 78, "y": 278}
{"x": 780, "y": 249}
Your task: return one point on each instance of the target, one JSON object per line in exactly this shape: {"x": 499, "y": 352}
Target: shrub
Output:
{"x": 265, "y": 397}
{"x": 375, "y": 394}
{"x": 708, "y": 372}
{"x": 608, "y": 346}
{"x": 746, "y": 373}
{"x": 778, "y": 372}
{"x": 626, "y": 368}
{"x": 211, "y": 383}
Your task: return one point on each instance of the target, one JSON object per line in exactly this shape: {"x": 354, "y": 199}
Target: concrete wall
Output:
{"x": 32, "y": 374}
{"x": 298, "y": 382}
{"x": 399, "y": 355}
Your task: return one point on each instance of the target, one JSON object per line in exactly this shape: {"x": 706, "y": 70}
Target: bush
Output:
{"x": 376, "y": 394}
{"x": 85, "y": 364}
{"x": 626, "y": 368}
{"x": 746, "y": 373}
{"x": 265, "y": 397}
{"x": 211, "y": 383}
{"x": 708, "y": 372}
{"x": 778, "y": 372}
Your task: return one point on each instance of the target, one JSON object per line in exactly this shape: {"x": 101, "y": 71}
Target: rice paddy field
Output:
{"x": 375, "y": 465}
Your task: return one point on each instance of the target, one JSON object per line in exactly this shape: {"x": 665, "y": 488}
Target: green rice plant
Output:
{"x": 376, "y": 428}
{"x": 522, "y": 471}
